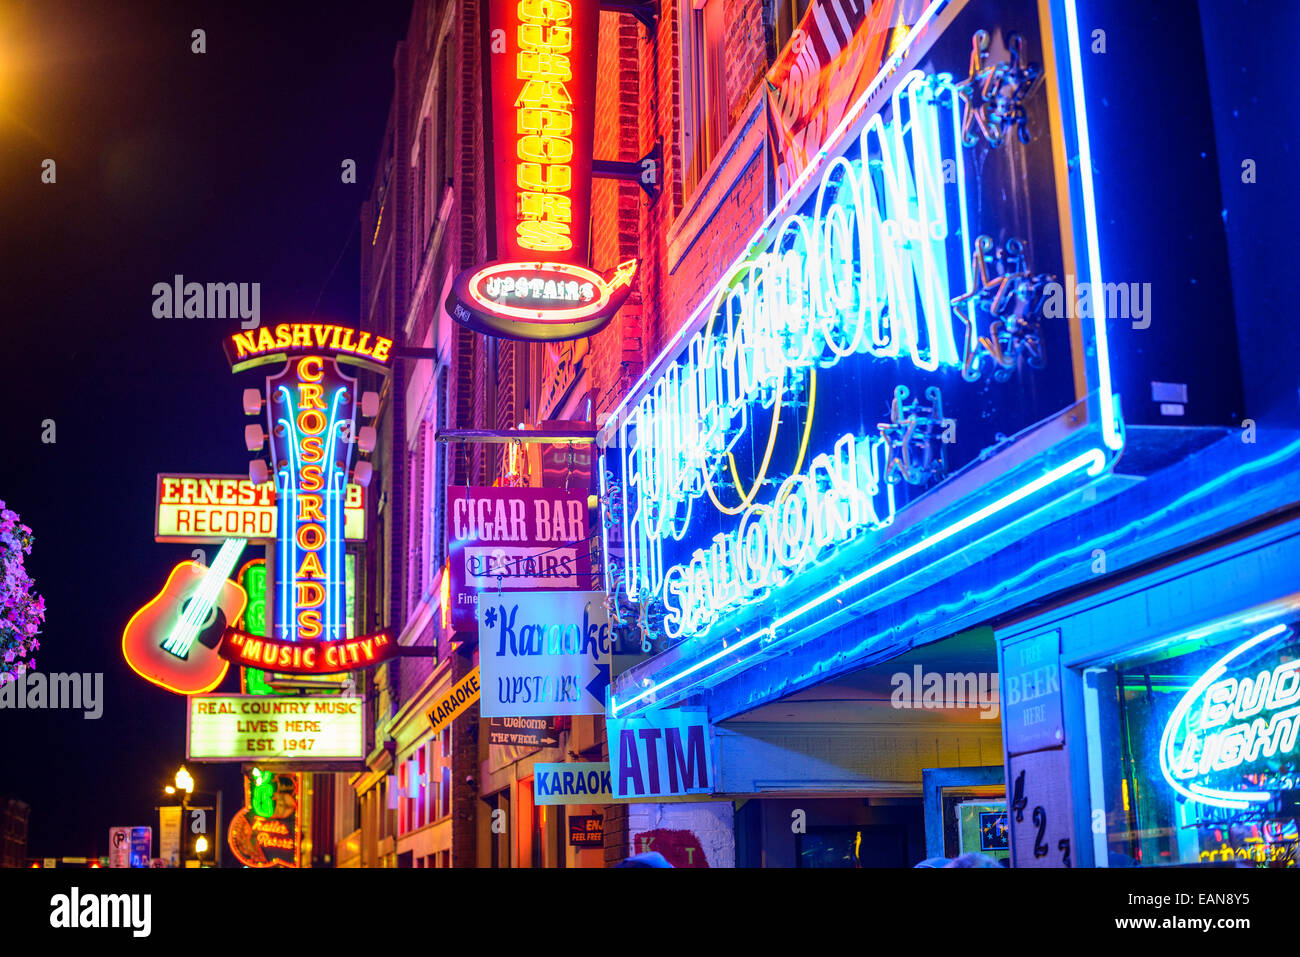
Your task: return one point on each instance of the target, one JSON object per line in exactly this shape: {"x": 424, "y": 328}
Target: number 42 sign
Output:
{"x": 1039, "y": 809}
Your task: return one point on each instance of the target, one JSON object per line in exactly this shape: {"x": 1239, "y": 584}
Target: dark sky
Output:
{"x": 223, "y": 167}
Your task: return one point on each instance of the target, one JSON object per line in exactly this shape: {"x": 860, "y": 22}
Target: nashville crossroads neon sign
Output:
{"x": 267, "y": 345}
{"x": 865, "y": 272}
{"x": 1229, "y": 722}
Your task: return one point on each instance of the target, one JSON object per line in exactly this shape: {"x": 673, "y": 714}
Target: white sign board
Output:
{"x": 169, "y": 835}
{"x": 119, "y": 847}
{"x": 543, "y": 653}
{"x": 261, "y": 728}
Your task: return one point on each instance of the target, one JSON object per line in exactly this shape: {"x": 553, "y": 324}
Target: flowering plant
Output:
{"x": 21, "y": 610}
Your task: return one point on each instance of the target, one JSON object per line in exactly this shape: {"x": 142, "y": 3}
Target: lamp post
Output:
{"x": 184, "y": 785}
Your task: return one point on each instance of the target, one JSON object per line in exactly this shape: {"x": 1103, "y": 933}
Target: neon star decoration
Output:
{"x": 917, "y": 429}
{"x": 1010, "y": 298}
{"x": 993, "y": 96}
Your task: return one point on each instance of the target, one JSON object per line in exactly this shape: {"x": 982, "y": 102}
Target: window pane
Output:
{"x": 1199, "y": 751}
{"x": 401, "y": 785}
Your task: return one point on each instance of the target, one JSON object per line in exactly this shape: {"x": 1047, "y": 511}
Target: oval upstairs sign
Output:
{"x": 538, "y": 301}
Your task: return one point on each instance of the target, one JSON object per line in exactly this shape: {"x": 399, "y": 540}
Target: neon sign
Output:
{"x": 211, "y": 508}
{"x": 876, "y": 275}
{"x": 542, "y": 121}
{"x": 306, "y": 657}
{"x": 539, "y": 300}
{"x": 865, "y": 272}
{"x": 1228, "y": 742}
{"x": 276, "y": 343}
{"x": 311, "y": 409}
{"x": 264, "y": 832}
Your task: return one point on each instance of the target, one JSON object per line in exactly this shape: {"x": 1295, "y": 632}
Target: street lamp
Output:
{"x": 184, "y": 784}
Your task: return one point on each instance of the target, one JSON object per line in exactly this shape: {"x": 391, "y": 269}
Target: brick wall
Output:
{"x": 746, "y": 53}
{"x": 617, "y": 207}
{"x": 464, "y": 769}
{"x": 646, "y": 99}
{"x": 639, "y": 99}
{"x": 688, "y": 835}
{"x": 649, "y": 83}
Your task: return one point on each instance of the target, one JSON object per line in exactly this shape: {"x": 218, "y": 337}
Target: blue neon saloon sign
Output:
{"x": 825, "y": 416}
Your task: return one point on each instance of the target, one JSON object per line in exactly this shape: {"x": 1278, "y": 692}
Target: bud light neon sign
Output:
{"x": 1230, "y": 742}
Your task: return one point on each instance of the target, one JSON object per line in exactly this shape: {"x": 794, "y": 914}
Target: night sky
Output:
{"x": 223, "y": 167}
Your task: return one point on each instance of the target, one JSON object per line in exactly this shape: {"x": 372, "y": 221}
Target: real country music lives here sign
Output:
{"x": 267, "y": 728}
{"x": 512, "y": 540}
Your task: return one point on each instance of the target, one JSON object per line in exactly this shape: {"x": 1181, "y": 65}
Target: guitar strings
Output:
{"x": 186, "y": 632}
{"x": 182, "y": 637}
{"x": 210, "y": 588}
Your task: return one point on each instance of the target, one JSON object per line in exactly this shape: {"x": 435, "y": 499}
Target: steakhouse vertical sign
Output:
{"x": 515, "y": 539}
{"x": 541, "y": 102}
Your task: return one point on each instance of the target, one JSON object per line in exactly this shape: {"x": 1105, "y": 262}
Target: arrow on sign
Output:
{"x": 596, "y": 687}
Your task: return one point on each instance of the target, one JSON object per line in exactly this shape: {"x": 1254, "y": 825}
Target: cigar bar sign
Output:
{"x": 542, "y": 121}
{"x": 267, "y": 728}
{"x": 515, "y": 539}
{"x": 197, "y": 509}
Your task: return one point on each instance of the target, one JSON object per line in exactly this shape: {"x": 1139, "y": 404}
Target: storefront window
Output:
{"x": 1199, "y": 752}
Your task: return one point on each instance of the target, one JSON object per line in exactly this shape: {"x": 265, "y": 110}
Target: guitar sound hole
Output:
{"x": 209, "y": 617}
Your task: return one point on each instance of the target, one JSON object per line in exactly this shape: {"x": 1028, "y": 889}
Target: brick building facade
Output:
{"x": 425, "y": 802}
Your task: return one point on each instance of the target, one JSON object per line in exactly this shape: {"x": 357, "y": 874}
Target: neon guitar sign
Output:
{"x": 173, "y": 640}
